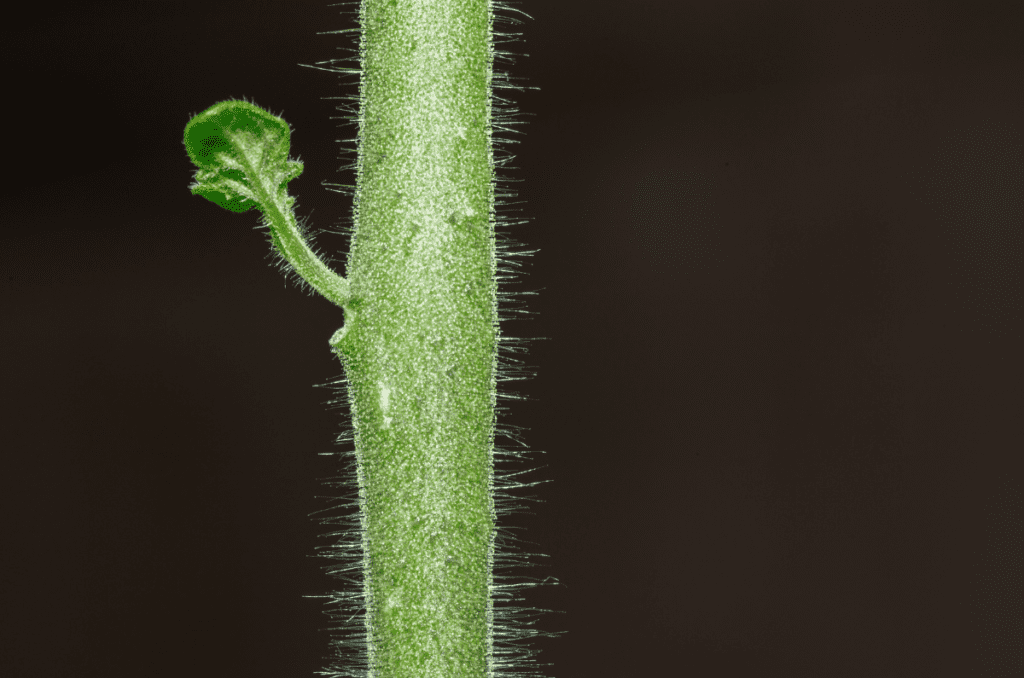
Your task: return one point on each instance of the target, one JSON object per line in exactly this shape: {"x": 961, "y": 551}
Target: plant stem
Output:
{"x": 421, "y": 336}
{"x": 420, "y": 339}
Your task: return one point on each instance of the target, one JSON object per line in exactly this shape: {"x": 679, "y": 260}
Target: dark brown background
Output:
{"x": 780, "y": 269}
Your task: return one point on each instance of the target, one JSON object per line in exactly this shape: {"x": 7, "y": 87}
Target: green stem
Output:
{"x": 420, "y": 359}
{"x": 420, "y": 342}
{"x": 290, "y": 243}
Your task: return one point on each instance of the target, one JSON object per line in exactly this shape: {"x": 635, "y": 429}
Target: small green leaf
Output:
{"x": 242, "y": 154}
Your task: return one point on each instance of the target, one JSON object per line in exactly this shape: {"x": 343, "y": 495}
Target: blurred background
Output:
{"x": 779, "y": 274}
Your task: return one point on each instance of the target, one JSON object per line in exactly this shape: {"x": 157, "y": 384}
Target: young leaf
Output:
{"x": 242, "y": 154}
{"x": 241, "y": 151}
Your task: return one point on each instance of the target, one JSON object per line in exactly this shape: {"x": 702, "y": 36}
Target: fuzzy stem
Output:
{"x": 286, "y": 237}
{"x": 420, "y": 349}
{"x": 419, "y": 344}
